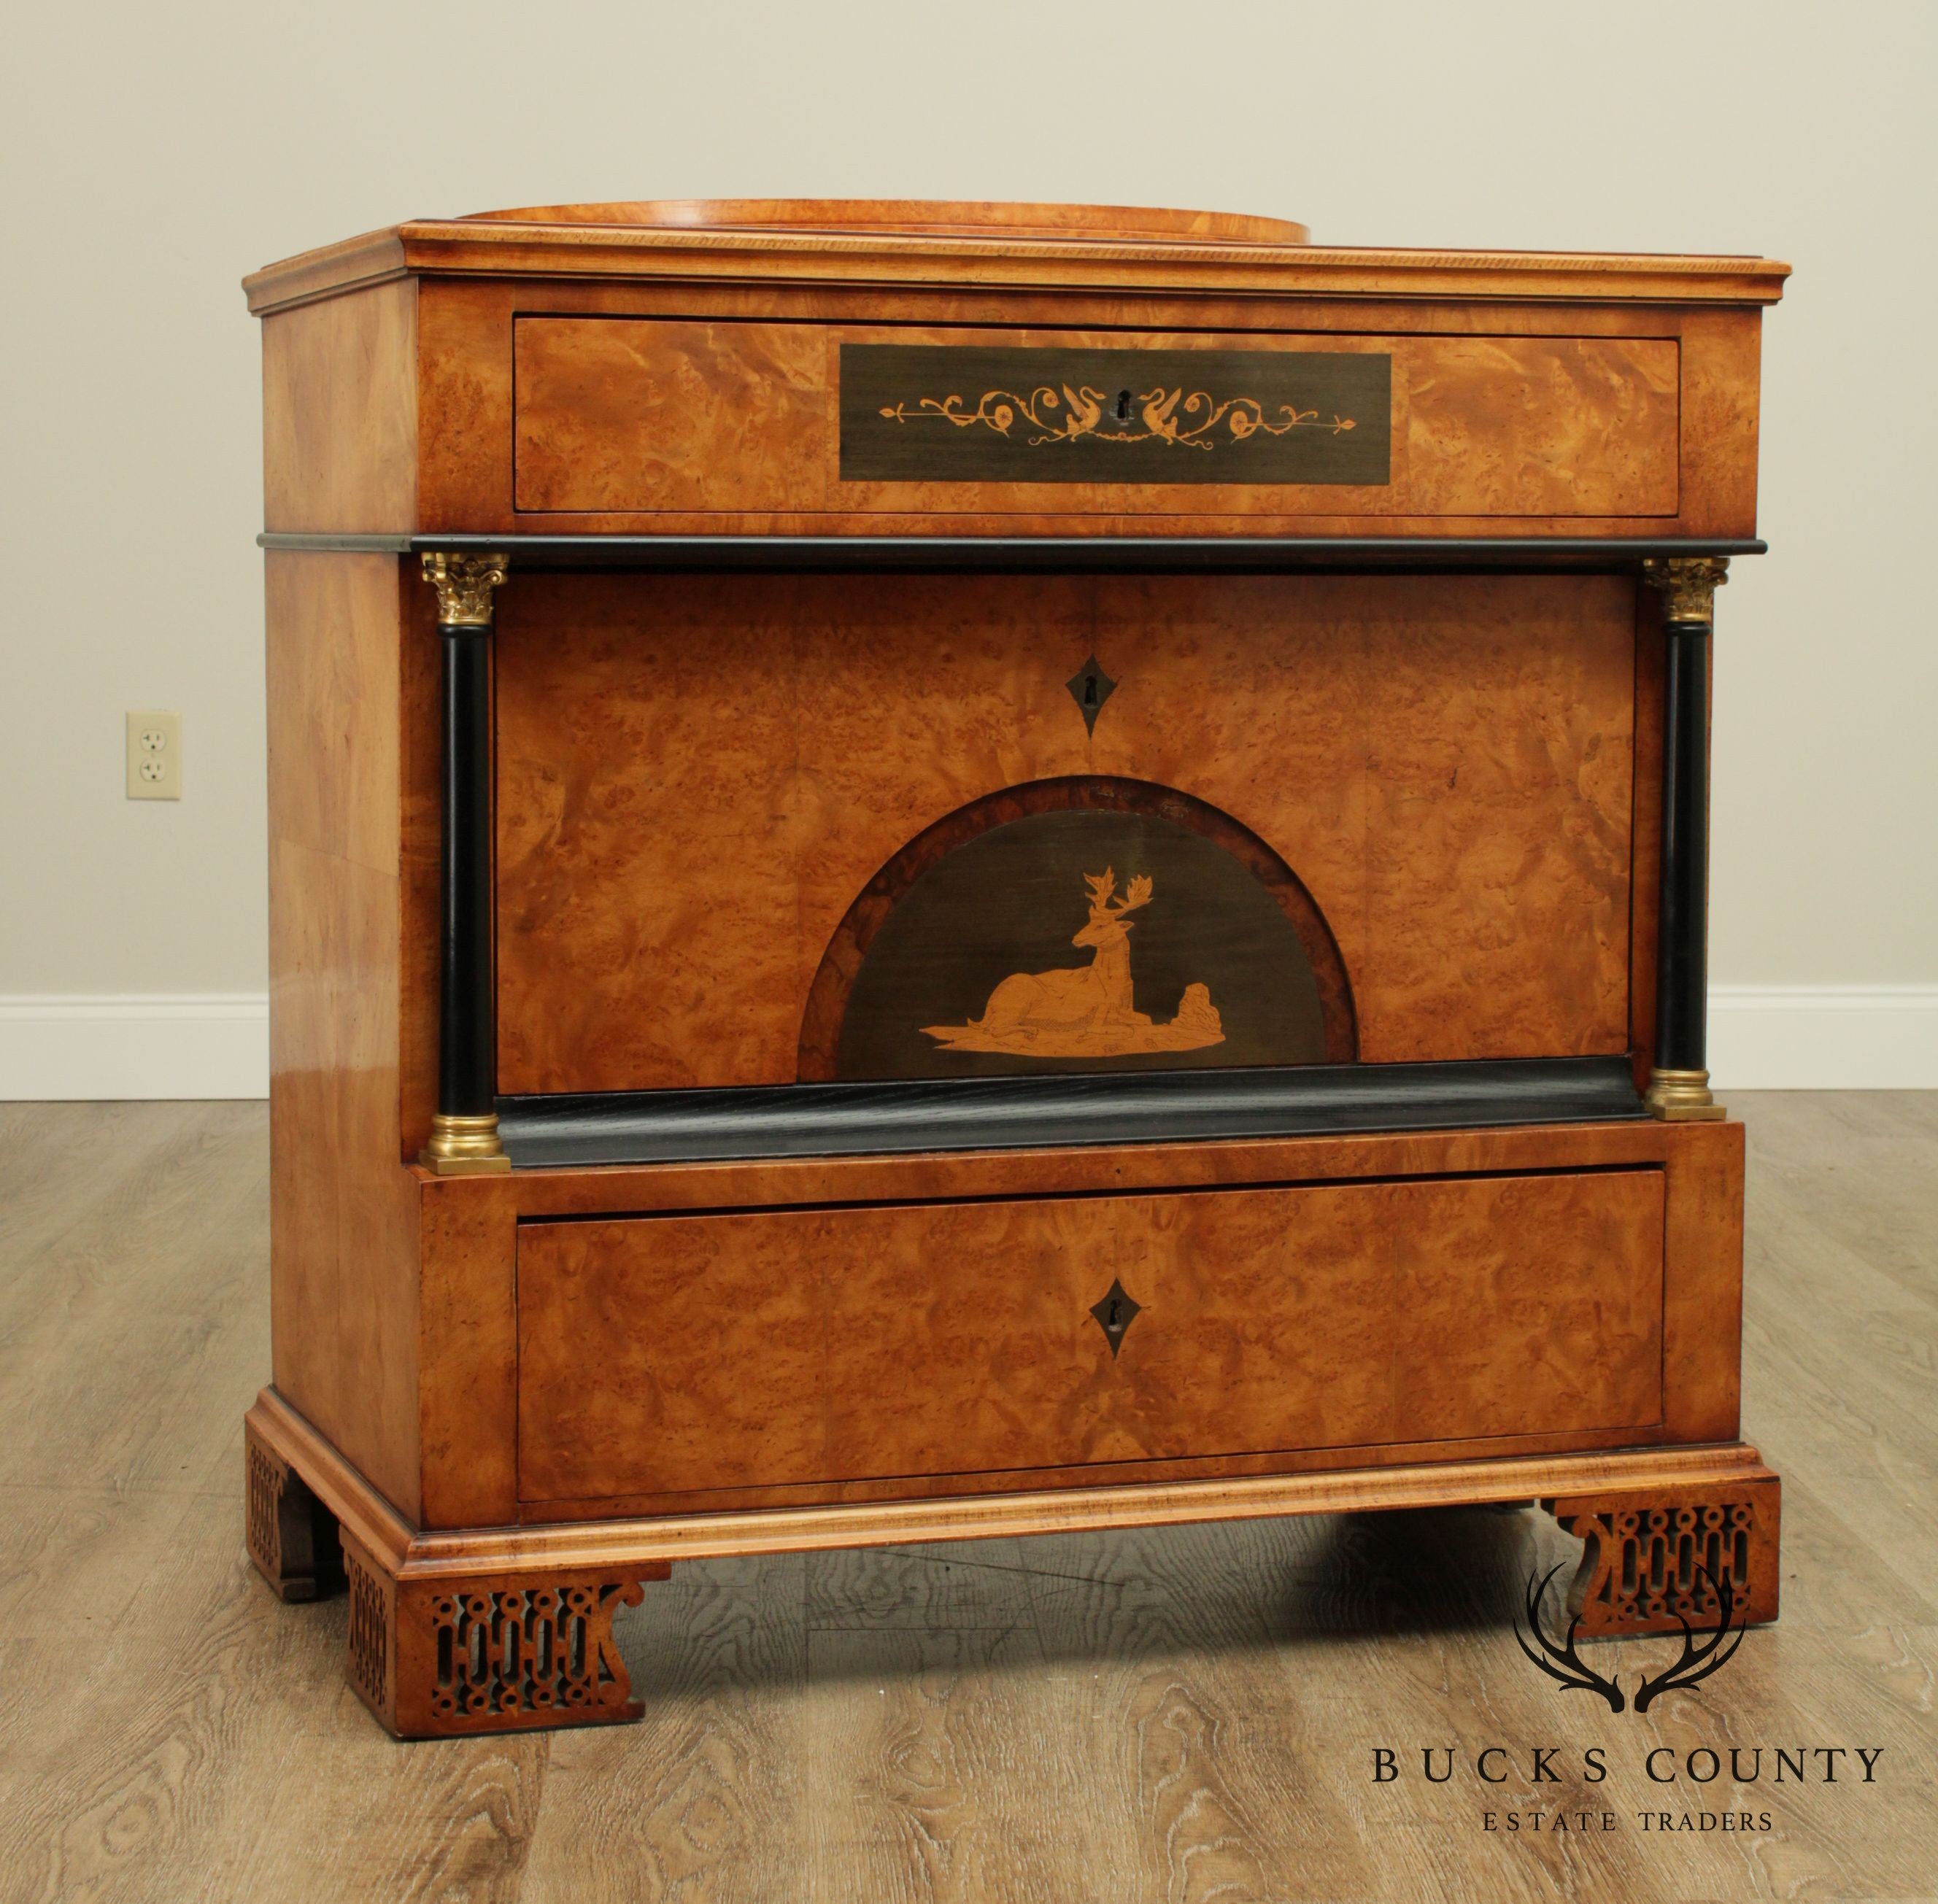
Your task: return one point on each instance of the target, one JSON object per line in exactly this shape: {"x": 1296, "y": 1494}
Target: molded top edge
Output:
{"x": 908, "y": 243}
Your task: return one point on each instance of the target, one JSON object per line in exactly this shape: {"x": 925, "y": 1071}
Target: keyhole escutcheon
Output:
{"x": 1114, "y": 1312}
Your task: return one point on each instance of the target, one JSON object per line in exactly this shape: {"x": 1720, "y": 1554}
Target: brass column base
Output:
{"x": 464, "y": 1146}
{"x": 1682, "y": 1097}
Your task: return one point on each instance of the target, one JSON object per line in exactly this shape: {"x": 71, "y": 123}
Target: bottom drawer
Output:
{"x": 762, "y": 1348}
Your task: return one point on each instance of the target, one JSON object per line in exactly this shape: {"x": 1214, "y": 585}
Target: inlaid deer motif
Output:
{"x": 1086, "y": 1011}
{"x": 1086, "y": 995}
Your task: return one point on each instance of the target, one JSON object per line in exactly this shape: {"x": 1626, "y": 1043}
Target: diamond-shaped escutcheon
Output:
{"x": 1115, "y": 1313}
{"x": 1090, "y": 687}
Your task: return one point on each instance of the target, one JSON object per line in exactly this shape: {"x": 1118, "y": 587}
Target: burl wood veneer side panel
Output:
{"x": 468, "y": 1392}
{"x": 803, "y": 1346}
{"x": 419, "y": 822}
{"x": 1645, "y": 831}
{"x": 697, "y": 776}
{"x": 1702, "y": 1295}
{"x": 344, "y": 1313}
{"x": 1722, "y": 353}
{"x": 340, "y": 413}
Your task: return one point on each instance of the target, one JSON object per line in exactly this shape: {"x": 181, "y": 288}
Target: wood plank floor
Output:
{"x": 1187, "y": 1714}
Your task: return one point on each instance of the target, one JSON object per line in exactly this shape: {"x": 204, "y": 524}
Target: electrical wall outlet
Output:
{"x": 154, "y": 756}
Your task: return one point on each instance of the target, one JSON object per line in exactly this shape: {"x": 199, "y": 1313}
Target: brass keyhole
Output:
{"x": 1123, "y": 406}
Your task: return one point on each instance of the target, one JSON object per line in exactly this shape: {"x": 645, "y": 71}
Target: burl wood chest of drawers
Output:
{"x": 945, "y": 870}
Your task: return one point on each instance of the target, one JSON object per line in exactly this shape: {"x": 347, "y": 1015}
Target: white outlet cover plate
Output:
{"x": 154, "y": 754}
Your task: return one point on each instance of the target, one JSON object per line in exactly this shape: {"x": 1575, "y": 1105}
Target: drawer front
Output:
{"x": 632, "y": 415}
{"x": 678, "y": 1353}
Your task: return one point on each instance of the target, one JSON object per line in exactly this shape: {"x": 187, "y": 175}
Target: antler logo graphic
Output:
{"x": 1563, "y": 1662}
{"x": 1700, "y": 1657}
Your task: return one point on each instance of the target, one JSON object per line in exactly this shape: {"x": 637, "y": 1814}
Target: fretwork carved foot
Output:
{"x": 292, "y": 1536}
{"x": 495, "y": 1653}
{"x": 1655, "y": 1559}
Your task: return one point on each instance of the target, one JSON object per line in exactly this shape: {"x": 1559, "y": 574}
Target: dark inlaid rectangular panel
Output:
{"x": 788, "y": 1347}
{"x": 979, "y": 413}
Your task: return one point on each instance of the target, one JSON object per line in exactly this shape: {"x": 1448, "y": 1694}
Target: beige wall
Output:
{"x": 154, "y": 154}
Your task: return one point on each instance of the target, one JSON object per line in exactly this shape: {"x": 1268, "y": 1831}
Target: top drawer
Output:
{"x": 627, "y": 416}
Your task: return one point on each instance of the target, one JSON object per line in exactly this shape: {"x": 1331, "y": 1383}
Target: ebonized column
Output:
{"x": 464, "y": 1130}
{"x": 1678, "y": 1089}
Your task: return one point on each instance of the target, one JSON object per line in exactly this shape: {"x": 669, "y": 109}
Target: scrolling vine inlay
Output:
{"x": 1085, "y": 414}
{"x": 1159, "y": 415}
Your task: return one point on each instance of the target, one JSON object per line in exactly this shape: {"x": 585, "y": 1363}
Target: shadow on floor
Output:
{"x": 1072, "y": 1600}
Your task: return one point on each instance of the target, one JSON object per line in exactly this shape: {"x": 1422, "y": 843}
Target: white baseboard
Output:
{"x": 1826, "y": 1037}
{"x": 135, "y": 1044}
